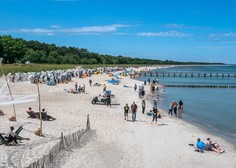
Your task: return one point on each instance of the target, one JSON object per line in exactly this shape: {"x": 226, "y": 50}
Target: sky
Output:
{"x": 178, "y": 30}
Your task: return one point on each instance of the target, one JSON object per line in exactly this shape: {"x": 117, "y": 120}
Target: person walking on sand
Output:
{"x": 76, "y": 87}
{"x": 90, "y": 82}
{"x": 143, "y": 106}
{"x": 154, "y": 115}
{"x": 134, "y": 108}
{"x": 154, "y": 104}
{"x": 108, "y": 100}
{"x": 104, "y": 88}
{"x": 135, "y": 87}
{"x": 126, "y": 111}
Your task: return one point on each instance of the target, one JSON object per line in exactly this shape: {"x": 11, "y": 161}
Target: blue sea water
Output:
{"x": 212, "y": 108}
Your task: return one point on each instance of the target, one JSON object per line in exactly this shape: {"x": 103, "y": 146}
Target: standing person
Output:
{"x": 170, "y": 108}
{"x": 153, "y": 89}
{"x": 76, "y": 87}
{"x": 108, "y": 100}
{"x": 143, "y": 106}
{"x": 154, "y": 104}
{"x": 83, "y": 88}
{"x": 104, "y": 88}
{"x": 90, "y": 82}
{"x": 154, "y": 115}
{"x": 126, "y": 111}
{"x": 11, "y": 137}
{"x": 142, "y": 92}
{"x": 181, "y": 105}
{"x": 175, "y": 105}
{"x": 180, "y": 109}
{"x": 134, "y": 108}
{"x": 135, "y": 87}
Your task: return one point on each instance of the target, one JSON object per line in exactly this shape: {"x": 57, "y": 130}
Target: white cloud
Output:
{"x": 224, "y": 37}
{"x": 93, "y": 29}
{"x": 56, "y": 29}
{"x": 179, "y": 26}
{"x": 36, "y": 30}
{"x": 163, "y": 34}
{"x": 183, "y": 26}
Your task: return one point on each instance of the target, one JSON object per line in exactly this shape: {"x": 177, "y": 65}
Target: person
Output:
{"x": 126, "y": 111}
{"x": 200, "y": 146}
{"x": 134, "y": 108}
{"x": 79, "y": 89}
{"x": 76, "y": 87}
{"x": 142, "y": 91}
{"x": 143, "y": 106}
{"x": 170, "y": 109}
{"x": 109, "y": 100}
{"x": 154, "y": 115}
{"x": 213, "y": 146}
{"x": 208, "y": 146}
{"x": 48, "y": 117}
{"x": 104, "y": 88}
{"x": 135, "y": 87}
{"x": 174, "y": 106}
{"x": 152, "y": 87}
{"x": 97, "y": 84}
{"x": 90, "y": 82}
{"x": 30, "y": 110}
{"x": 180, "y": 107}
{"x": 83, "y": 89}
{"x": 11, "y": 137}
{"x": 1, "y": 113}
{"x": 216, "y": 147}
{"x": 154, "y": 104}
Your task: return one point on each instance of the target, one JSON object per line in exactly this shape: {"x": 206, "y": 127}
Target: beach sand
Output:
{"x": 112, "y": 141}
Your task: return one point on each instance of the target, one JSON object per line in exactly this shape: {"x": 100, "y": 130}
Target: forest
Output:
{"x": 18, "y": 50}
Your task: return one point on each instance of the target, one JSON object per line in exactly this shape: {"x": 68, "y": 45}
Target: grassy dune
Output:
{"x": 13, "y": 68}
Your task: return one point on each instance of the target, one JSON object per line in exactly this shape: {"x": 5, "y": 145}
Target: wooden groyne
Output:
{"x": 200, "y": 86}
{"x": 185, "y": 74}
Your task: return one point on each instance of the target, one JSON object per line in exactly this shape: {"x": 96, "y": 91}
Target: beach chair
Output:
{"x": 17, "y": 132}
{"x": 45, "y": 117}
{"x": 4, "y": 141}
{"x": 31, "y": 114}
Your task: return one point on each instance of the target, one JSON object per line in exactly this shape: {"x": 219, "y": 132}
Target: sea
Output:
{"x": 213, "y": 109}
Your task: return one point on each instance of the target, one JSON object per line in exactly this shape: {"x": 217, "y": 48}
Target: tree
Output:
{"x": 13, "y": 49}
{"x": 1, "y": 49}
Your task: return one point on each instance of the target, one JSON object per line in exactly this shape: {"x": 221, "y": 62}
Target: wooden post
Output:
{"x": 88, "y": 123}
{"x": 62, "y": 146}
{"x": 40, "y": 113}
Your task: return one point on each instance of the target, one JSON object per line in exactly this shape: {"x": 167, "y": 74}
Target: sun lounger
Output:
{"x": 4, "y": 141}
{"x": 45, "y": 117}
{"x": 31, "y": 114}
{"x": 17, "y": 132}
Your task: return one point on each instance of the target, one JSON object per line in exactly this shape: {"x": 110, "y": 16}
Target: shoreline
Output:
{"x": 112, "y": 142}
{"x": 227, "y": 136}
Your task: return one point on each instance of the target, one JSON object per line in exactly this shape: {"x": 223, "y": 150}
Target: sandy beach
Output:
{"x": 112, "y": 141}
